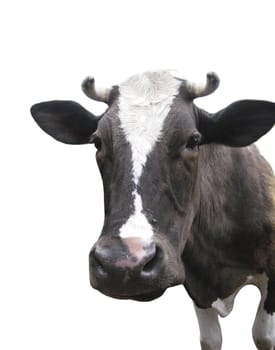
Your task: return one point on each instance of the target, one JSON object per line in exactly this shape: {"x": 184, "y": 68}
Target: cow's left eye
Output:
{"x": 98, "y": 143}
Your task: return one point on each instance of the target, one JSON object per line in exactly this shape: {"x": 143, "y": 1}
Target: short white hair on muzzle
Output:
{"x": 203, "y": 89}
{"x": 96, "y": 93}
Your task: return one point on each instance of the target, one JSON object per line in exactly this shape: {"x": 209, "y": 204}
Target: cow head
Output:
{"x": 148, "y": 150}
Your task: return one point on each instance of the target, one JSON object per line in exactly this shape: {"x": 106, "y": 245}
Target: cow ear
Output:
{"x": 239, "y": 124}
{"x": 66, "y": 121}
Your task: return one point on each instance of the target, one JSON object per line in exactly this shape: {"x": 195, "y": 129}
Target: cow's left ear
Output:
{"x": 239, "y": 124}
{"x": 66, "y": 121}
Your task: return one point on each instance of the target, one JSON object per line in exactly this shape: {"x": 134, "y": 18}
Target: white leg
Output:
{"x": 264, "y": 324}
{"x": 210, "y": 330}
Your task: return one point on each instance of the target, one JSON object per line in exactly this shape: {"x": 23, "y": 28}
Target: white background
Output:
{"x": 51, "y": 194}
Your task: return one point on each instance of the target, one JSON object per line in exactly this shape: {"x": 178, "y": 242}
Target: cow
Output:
{"x": 188, "y": 198}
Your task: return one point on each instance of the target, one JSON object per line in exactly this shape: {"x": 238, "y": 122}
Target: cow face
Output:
{"x": 147, "y": 148}
{"x": 148, "y": 155}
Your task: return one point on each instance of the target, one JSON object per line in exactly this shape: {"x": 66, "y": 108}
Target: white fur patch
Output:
{"x": 264, "y": 324}
{"x": 210, "y": 330}
{"x": 145, "y": 101}
{"x": 224, "y": 306}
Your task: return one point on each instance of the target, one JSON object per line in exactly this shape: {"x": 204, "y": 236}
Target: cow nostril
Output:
{"x": 96, "y": 261}
{"x": 154, "y": 264}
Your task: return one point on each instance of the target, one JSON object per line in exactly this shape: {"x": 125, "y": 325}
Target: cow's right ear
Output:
{"x": 66, "y": 121}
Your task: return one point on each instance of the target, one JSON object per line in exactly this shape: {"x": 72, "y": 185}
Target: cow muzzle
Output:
{"x": 128, "y": 268}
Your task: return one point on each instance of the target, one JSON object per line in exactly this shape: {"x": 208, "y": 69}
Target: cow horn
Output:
{"x": 199, "y": 90}
{"x": 96, "y": 93}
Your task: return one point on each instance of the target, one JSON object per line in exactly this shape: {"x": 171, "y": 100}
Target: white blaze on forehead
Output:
{"x": 145, "y": 101}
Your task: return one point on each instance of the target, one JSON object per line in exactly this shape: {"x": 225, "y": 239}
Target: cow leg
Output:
{"x": 264, "y": 325}
{"x": 210, "y": 330}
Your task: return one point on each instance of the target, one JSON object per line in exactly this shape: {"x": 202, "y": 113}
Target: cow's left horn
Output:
{"x": 96, "y": 93}
{"x": 200, "y": 90}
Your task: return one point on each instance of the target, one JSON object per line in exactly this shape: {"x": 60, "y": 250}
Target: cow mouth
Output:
{"x": 148, "y": 296}
{"x": 141, "y": 297}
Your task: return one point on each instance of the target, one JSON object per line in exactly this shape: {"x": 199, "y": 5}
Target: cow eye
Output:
{"x": 96, "y": 141}
{"x": 194, "y": 141}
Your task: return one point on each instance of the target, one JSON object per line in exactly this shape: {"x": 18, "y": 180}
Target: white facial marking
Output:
{"x": 137, "y": 224}
{"x": 145, "y": 101}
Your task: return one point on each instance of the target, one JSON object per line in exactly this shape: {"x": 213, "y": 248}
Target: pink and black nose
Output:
{"x": 117, "y": 264}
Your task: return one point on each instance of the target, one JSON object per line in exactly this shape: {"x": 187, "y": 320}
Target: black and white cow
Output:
{"x": 188, "y": 198}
